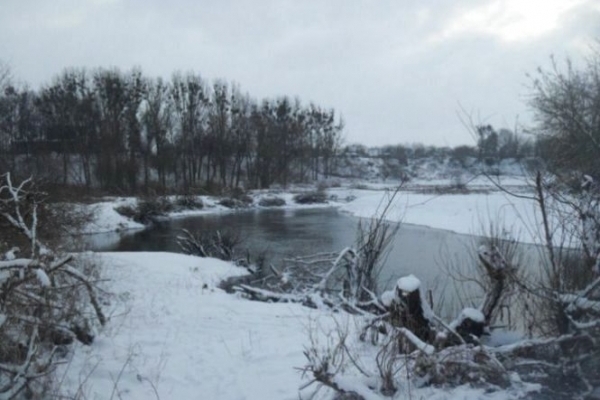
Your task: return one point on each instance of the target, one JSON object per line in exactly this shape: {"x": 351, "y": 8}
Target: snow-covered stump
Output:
{"x": 407, "y": 311}
{"x": 470, "y": 325}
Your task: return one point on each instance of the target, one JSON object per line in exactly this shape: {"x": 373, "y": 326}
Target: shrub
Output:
{"x": 239, "y": 194}
{"x": 246, "y": 199}
{"x": 188, "y": 202}
{"x": 359, "y": 186}
{"x": 47, "y": 300}
{"x": 127, "y": 211}
{"x": 318, "y": 196}
{"x": 147, "y": 209}
{"x": 221, "y": 245}
{"x": 231, "y": 203}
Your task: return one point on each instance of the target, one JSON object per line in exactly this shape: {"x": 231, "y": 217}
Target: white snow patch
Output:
{"x": 421, "y": 345}
{"x": 461, "y": 213}
{"x": 501, "y": 337}
{"x": 408, "y": 283}
{"x": 467, "y": 313}
{"x": 107, "y": 219}
{"x": 174, "y": 330}
{"x": 352, "y": 384}
{"x": 42, "y": 277}
{"x": 577, "y": 302}
{"x": 11, "y": 254}
{"x": 388, "y": 297}
{"x": 473, "y": 314}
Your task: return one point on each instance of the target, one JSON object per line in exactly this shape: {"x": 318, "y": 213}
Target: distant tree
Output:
{"x": 487, "y": 143}
{"x": 526, "y": 148}
{"x": 241, "y": 130}
{"x": 190, "y": 101}
{"x": 111, "y": 129}
{"x": 508, "y": 144}
{"x": 397, "y": 152}
{"x": 5, "y": 75}
{"x": 135, "y": 94}
{"x": 461, "y": 154}
{"x": 70, "y": 122}
{"x": 8, "y": 114}
{"x": 156, "y": 124}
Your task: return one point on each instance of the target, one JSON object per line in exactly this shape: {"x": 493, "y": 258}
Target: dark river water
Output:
{"x": 430, "y": 254}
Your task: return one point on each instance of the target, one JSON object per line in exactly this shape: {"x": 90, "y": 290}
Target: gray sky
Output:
{"x": 397, "y": 70}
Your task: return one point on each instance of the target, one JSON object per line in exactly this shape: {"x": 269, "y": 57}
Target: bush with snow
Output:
{"x": 47, "y": 300}
{"x": 318, "y": 196}
{"x": 146, "y": 210}
{"x": 188, "y": 202}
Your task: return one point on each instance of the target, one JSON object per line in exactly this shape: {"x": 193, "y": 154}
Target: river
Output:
{"x": 430, "y": 254}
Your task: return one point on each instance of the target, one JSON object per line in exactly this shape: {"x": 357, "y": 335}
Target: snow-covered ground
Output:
{"x": 462, "y": 213}
{"x": 173, "y": 334}
{"x": 172, "y": 331}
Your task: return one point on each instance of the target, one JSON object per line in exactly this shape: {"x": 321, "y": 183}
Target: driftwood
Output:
{"x": 311, "y": 300}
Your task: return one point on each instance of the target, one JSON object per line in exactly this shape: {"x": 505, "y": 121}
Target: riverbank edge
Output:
{"x": 471, "y": 212}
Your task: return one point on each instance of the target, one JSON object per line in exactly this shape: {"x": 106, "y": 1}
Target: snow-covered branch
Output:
{"x": 45, "y": 299}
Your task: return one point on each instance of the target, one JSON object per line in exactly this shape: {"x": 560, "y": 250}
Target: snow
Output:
{"x": 473, "y": 314}
{"x": 408, "y": 283}
{"x": 577, "y": 302}
{"x": 388, "y": 297}
{"x": 16, "y": 262}
{"x": 42, "y": 277}
{"x": 175, "y": 330}
{"x": 502, "y": 337}
{"x": 106, "y": 219}
{"x": 172, "y": 334}
{"x": 421, "y": 345}
{"x": 351, "y": 384}
{"x": 10, "y": 255}
{"x": 462, "y": 213}
{"x": 467, "y": 313}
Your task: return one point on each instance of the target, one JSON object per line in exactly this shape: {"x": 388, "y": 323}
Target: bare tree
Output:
{"x": 566, "y": 103}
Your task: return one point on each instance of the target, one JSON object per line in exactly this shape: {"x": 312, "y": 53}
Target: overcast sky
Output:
{"x": 397, "y": 70}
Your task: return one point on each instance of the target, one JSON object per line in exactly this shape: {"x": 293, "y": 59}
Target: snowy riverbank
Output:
{"x": 173, "y": 334}
{"x": 468, "y": 213}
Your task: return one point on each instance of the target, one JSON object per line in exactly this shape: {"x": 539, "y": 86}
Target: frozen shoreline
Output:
{"x": 473, "y": 213}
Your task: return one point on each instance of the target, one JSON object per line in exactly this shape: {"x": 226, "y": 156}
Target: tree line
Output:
{"x": 126, "y": 132}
